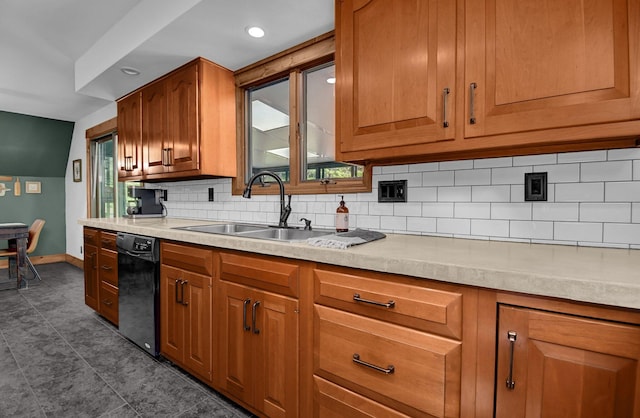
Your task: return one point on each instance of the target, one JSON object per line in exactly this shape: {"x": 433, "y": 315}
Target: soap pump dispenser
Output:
{"x": 342, "y": 217}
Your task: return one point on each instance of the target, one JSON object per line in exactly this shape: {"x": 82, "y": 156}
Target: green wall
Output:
{"x": 35, "y": 149}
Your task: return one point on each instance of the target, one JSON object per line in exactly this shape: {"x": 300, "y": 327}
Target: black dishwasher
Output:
{"x": 138, "y": 290}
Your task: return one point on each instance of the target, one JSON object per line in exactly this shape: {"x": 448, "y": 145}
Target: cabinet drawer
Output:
{"x": 268, "y": 273}
{"x": 407, "y": 302}
{"x": 333, "y": 401}
{"x": 187, "y": 257}
{"x": 91, "y": 236}
{"x": 108, "y": 240}
{"x": 108, "y": 267}
{"x": 109, "y": 302}
{"x": 418, "y": 373}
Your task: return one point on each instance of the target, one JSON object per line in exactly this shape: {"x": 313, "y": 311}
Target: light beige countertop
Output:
{"x": 599, "y": 275}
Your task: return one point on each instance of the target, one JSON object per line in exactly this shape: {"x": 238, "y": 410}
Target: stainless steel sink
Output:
{"x": 258, "y": 231}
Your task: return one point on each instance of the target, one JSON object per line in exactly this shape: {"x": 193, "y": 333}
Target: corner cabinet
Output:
{"x": 396, "y": 75}
{"x": 187, "y": 124}
{"x": 503, "y": 85}
{"x": 259, "y": 332}
{"x": 186, "y": 310}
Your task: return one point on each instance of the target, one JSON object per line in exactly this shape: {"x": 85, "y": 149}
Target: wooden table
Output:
{"x": 18, "y": 232}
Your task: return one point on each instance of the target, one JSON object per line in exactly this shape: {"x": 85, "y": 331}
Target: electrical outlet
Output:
{"x": 535, "y": 187}
{"x": 392, "y": 191}
{"x": 211, "y": 194}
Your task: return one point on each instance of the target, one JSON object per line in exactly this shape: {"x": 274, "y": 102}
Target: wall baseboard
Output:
{"x": 48, "y": 259}
{"x": 74, "y": 261}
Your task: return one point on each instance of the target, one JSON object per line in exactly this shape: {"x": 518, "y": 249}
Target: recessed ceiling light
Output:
{"x": 130, "y": 71}
{"x": 255, "y": 31}
{"x": 331, "y": 80}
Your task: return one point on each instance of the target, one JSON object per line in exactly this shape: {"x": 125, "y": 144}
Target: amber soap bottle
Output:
{"x": 342, "y": 217}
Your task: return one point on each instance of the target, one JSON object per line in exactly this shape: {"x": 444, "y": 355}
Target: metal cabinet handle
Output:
{"x": 472, "y": 95}
{"x": 245, "y": 304}
{"x": 106, "y": 267}
{"x": 388, "y": 370}
{"x": 94, "y": 264}
{"x": 107, "y": 302}
{"x": 182, "y": 283}
{"x": 254, "y": 312}
{"x": 445, "y": 97}
{"x": 511, "y": 336}
{"x": 128, "y": 164}
{"x": 390, "y": 304}
{"x": 166, "y": 156}
{"x": 176, "y": 289}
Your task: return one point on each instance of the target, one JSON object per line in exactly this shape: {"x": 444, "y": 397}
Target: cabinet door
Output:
{"x": 130, "y": 136}
{"x": 235, "y": 340}
{"x": 541, "y": 65}
{"x": 182, "y": 124}
{"x": 276, "y": 358}
{"x": 394, "y": 61}
{"x": 154, "y": 128}
{"x": 197, "y": 301}
{"x": 171, "y": 314}
{"x": 91, "y": 283}
{"x": 566, "y": 367}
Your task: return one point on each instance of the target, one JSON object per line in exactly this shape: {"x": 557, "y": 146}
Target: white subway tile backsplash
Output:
{"x": 437, "y": 210}
{"x": 454, "y": 226}
{"x": 493, "y": 162}
{"x": 577, "y": 231}
{"x": 490, "y": 193}
{"x": 472, "y": 177}
{"x": 605, "y": 212}
{"x": 531, "y": 229}
{"x": 622, "y": 192}
{"x": 543, "y": 159}
{"x": 555, "y": 211}
{"x": 510, "y": 175}
{"x": 593, "y": 200}
{"x": 580, "y": 192}
{"x": 606, "y": 171}
{"x": 583, "y": 156}
{"x": 454, "y": 194}
{"x": 472, "y": 210}
{"x": 489, "y": 228}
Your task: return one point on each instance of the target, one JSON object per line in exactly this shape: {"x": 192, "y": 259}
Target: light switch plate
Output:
{"x": 535, "y": 187}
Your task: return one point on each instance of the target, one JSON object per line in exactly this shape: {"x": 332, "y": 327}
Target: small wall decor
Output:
{"x": 32, "y": 187}
{"x": 77, "y": 170}
{"x": 3, "y": 189}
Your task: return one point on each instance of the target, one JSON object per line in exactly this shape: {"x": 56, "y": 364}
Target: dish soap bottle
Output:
{"x": 342, "y": 217}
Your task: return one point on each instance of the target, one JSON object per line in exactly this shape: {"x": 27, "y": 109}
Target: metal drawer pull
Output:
{"x": 445, "y": 97}
{"x": 389, "y": 370}
{"x": 182, "y": 283}
{"x": 357, "y": 298}
{"x": 254, "y": 313}
{"x": 511, "y": 336}
{"x": 106, "y": 267}
{"x": 244, "y": 314}
{"x": 472, "y": 94}
{"x": 176, "y": 289}
{"x": 107, "y": 302}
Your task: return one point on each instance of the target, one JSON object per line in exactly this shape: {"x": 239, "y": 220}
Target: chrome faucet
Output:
{"x": 285, "y": 210}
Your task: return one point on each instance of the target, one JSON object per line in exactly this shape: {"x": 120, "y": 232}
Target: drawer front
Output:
{"x": 187, "y": 257}
{"x": 417, "y": 373}
{"x": 268, "y": 273}
{"x": 333, "y": 401}
{"x": 404, "y": 302}
{"x": 91, "y": 236}
{"x": 108, "y": 240}
{"x": 109, "y": 302}
{"x": 108, "y": 267}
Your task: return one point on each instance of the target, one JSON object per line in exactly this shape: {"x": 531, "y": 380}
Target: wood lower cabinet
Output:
{"x": 101, "y": 273}
{"x": 259, "y": 334}
{"x": 186, "y": 310}
{"x": 565, "y": 366}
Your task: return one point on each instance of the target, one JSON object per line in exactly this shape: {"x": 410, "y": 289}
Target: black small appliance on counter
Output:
{"x": 148, "y": 203}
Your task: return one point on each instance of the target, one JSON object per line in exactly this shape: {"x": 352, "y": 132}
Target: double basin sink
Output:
{"x": 258, "y": 231}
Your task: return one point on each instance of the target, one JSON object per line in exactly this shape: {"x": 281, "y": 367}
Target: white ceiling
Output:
{"x": 61, "y": 59}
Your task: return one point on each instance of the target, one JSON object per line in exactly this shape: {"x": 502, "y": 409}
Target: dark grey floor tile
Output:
{"x": 125, "y": 411}
{"x": 16, "y": 398}
{"x": 209, "y": 408}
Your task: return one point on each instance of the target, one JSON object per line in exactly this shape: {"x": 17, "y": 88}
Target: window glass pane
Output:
{"x": 268, "y": 145}
{"x": 318, "y": 127}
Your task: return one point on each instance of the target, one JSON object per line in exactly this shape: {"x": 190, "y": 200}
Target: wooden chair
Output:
{"x": 32, "y": 242}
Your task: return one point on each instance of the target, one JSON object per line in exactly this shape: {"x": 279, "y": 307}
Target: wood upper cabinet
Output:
{"x": 130, "y": 136}
{"x": 539, "y": 66}
{"x": 259, "y": 334}
{"x": 564, "y": 366}
{"x": 186, "y": 309}
{"x": 188, "y": 123}
{"x": 396, "y": 73}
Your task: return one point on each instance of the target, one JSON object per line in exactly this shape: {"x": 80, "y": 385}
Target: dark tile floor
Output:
{"x": 58, "y": 358}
